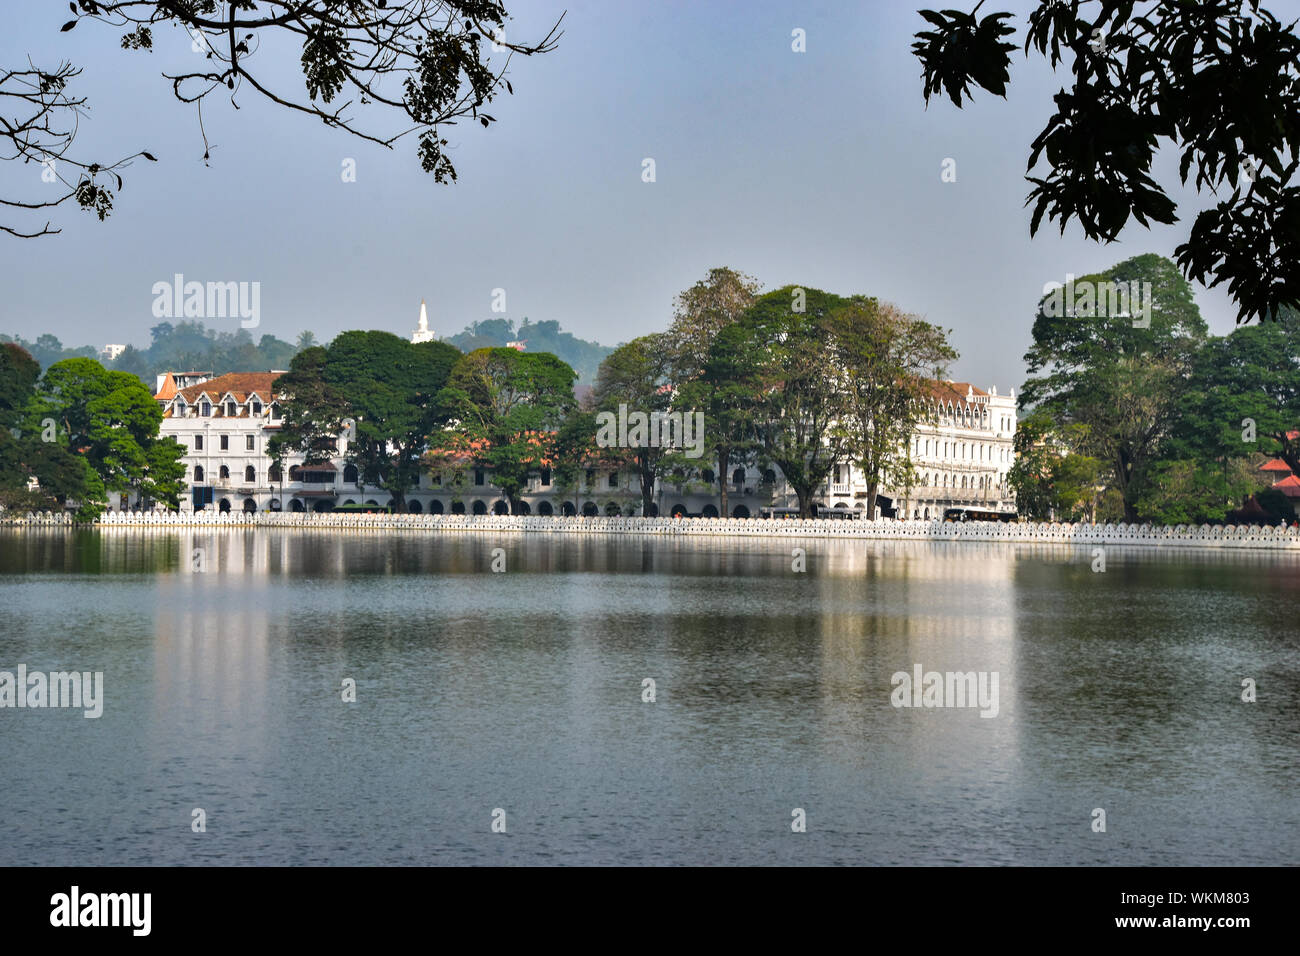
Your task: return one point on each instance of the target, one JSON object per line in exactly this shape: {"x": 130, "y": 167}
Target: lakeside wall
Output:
{"x": 1162, "y": 536}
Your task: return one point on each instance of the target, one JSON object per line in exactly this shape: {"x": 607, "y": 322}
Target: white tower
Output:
{"x": 422, "y": 334}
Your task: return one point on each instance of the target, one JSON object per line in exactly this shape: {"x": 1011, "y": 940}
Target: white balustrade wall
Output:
{"x": 1191, "y": 536}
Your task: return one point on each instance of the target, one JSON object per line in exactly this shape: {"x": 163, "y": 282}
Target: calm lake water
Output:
{"x": 523, "y": 690}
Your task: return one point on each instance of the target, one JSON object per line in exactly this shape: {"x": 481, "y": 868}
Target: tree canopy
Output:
{"x": 1218, "y": 80}
{"x": 377, "y": 72}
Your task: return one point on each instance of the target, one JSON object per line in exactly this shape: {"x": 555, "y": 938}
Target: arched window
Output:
{"x": 250, "y": 474}
{"x": 293, "y": 472}
{"x": 349, "y": 474}
{"x": 769, "y": 476}
{"x": 708, "y": 476}
{"x": 738, "y": 476}
{"x": 198, "y": 473}
{"x": 224, "y": 473}
{"x": 275, "y": 474}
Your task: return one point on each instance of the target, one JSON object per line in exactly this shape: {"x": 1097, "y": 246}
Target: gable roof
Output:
{"x": 168, "y": 390}
{"x": 239, "y": 385}
{"x": 954, "y": 392}
{"x": 1289, "y": 486}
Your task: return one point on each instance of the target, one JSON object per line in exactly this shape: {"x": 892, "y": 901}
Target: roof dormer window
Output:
{"x": 205, "y": 409}
{"x": 231, "y": 410}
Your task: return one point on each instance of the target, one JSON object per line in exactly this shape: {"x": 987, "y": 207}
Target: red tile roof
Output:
{"x": 168, "y": 390}
{"x": 954, "y": 392}
{"x": 1289, "y": 486}
{"x": 238, "y": 384}
{"x": 1278, "y": 465}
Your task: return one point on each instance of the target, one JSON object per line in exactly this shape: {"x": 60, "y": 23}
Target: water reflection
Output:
{"x": 523, "y": 689}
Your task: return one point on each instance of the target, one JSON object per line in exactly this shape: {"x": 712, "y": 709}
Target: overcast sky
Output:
{"x": 820, "y": 168}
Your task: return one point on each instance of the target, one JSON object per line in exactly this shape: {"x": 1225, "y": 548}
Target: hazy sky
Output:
{"x": 819, "y": 168}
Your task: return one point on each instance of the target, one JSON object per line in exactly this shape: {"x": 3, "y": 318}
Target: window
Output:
{"x": 248, "y": 443}
{"x": 250, "y": 475}
{"x": 225, "y": 443}
{"x": 546, "y": 477}
{"x": 257, "y": 408}
{"x": 349, "y": 474}
{"x": 478, "y": 476}
{"x": 179, "y": 410}
{"x": 198, "y": 473}
{"x": 205, "y": 409}
{"x": 613, "y": 479}
{"x": 738, "y": 476}
{"x": 275, "y": 412}
{"x": 275, "y": 474}
{"x": 231, "y": 410}
{"x": 224, "y": 474}
{"x": 198, "y": 443}
{"x": 708, "y": 476}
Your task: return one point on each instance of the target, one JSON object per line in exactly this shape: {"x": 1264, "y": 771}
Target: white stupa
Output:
{"x": 422, "y": 333}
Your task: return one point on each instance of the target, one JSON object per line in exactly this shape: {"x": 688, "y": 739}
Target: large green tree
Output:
{"x": 636, "y": 375}
{"x": 792, "y": 385}
{"x": 886, "y": 358}
{"x": 1121, "y": 376}
{"x": 1218, "y": 80}
{"x": 1241, "y": 405}
{"x": 506, "y": 405}
{"x": 111, "y": 420}
{"x": 706, "y": 370}
{"x": 377, "y": 389}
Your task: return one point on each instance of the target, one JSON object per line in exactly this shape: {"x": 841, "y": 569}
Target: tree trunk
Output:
{"x": 805, "y": 495}
{"x": 724, "y": 461}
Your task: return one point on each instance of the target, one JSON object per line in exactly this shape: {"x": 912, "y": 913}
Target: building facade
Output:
{"x": 961, "y": 454}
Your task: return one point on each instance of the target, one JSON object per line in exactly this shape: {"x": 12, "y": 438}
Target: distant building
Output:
{"x": 961, "y": 450}
{"x": 519, "y": 344}
{"x": 169, "y": 383}
{"x": 109, "y": 352}
{"x": 422, "y": 333}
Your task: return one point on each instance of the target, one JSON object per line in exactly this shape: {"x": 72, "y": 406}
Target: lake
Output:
{"x": 514, "y": 698}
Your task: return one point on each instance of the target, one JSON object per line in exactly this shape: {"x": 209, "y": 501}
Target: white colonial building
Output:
{"x": 961, "y": 454}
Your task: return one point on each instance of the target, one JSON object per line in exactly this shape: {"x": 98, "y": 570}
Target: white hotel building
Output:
{"x": 962, "y": 453}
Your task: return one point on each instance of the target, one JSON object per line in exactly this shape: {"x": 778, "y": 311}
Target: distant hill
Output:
{"x": 584, "y": 356}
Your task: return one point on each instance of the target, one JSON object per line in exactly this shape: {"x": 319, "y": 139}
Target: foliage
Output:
{"x": 110, "y": 421}
{"x": 385, "y": 386}
{"x": 886, "y": 357}
{"x": 1219, "y": 80}
{"x": 583, "y": 356}
{"x": 1122, "y": 381}
{"x": 505, "y": 404}
{"x": 788, "y": 385}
